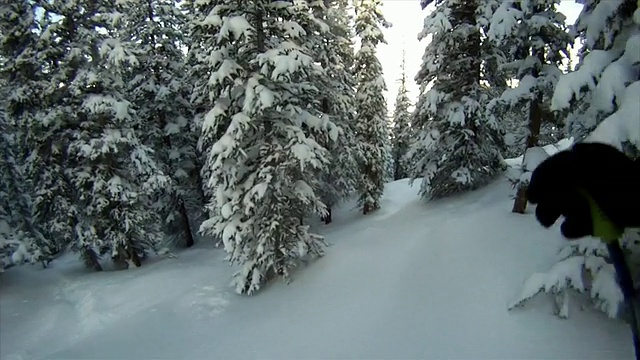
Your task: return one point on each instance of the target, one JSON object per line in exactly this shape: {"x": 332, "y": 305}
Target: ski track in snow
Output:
{"x": 413, "y": 280}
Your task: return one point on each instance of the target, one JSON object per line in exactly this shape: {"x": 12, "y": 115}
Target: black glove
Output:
{"x": 563, "y": 184}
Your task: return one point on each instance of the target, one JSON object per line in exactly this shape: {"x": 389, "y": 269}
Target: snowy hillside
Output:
{"x": 414, "y": 280}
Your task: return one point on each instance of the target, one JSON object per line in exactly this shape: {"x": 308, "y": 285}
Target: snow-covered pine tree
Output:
{"x": 107, "y": 174}
{"x": 605, "y": 86}
{"x": 17, "y": 241}
{"x": 21, "y": 81}
{"x": 372, "y": 130}
{"x": 158, "y": 89}
{"x": 601, "y": 100}
{"x": 340, "y": 21}
{"x": 334, "y": 51}
{"x": 200, "y": 39}
{"x": 401, "y": 126}
{"x": 496, "y": 79}
{"x": 48, "y": 132}
{"x": 263, "y": 169}
{"x": 535, "y": 42}
{"x": 457, "y": 144}
{"x": 493, "y": 57}
{"x": 583, "y": 266}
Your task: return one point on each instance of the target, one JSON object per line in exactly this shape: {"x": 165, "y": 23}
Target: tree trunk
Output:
{"x": 520, "y": 203}
{"x": 369, "y": 206}
{"x": 200, "y": 180}
{"x": 133, "y": 256}
{"x": 188, "y": 234}
{"x": 535, "y": 121}
{"x": 396, "y": 167}
{"x": 91, "y": 260}
{"x": 327, "y": 219}
{"x": 126, "y": 256}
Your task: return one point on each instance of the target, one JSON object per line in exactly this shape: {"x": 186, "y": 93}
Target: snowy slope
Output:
{"x": 414, "y": 280}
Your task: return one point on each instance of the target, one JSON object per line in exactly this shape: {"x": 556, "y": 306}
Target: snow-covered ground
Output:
{"x": 414, "y": 280}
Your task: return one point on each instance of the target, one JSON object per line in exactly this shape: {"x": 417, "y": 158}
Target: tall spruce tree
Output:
{"x": 603, "y": 91}
{"x": 334, "y": 51}
{"x": 90, "y": 134}
{"x": 22, "y": 81}
{"x": 159, "y": 92}
{"x": 535, "y": 42}
{"x": 600, "y": 102}
{"x": 200, "y": 39}
{"x": 372, "y": 131}
{"x": 457, "y": 144}
{"x": 18, "y": 243}
{"x": 263, "y": 169}
{"x": 401, "y": 126}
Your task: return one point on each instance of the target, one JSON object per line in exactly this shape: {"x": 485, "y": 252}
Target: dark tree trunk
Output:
{"x": 188, "y": 234}
{"x": 91, "y": 260}
{"x": 396, "y": 168}
{"x": 327, "y": 217}
{"x": 133, "y": 256}
{"x": 199, "y": 179}
{"x": 367, "y": 206}
{"x": 126, "y": 255}
{"x": 520, "y": 203}
{"x": 535, "y": 122}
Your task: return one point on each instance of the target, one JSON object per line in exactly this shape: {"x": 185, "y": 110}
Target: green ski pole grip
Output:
{"x": 603, "y": 227}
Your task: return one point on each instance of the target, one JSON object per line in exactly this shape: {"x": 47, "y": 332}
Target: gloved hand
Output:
{"x": 594, "y": 186}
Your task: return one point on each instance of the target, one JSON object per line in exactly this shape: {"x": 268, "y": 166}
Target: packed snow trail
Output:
{"x": 413, "y": 280}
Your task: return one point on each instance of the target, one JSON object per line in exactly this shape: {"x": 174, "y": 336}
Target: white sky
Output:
{"x": 407, "y": 19}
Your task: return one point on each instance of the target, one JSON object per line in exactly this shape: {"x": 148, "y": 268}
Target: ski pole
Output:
{"x": 628, "y": 290}
{"x": 609, "y": 233}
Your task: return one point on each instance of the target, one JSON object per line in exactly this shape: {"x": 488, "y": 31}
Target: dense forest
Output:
{"x": 134, "y": 127}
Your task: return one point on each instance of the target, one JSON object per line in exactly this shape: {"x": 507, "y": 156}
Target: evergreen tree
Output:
{"x": 600, "y": 101}
{"x": 401, "y": 127}
{"x": 372, "y": 132}
{"x": 200, "y": 40}
{"x": 263, "y": 169}
{"x": 17, "y": 242}
{"x": 21, "y": 83}
{"x": 535, "y": 42}
{"x": 493, "y": 57}
{"x": 334, "y": 51}
{"x": 103, "y": 172}
{"x": 497, "y": 78}
{"x": 48, "y": 132}
{"x": 583, "y": 269}
{"x": 457, "y": 144}
{"x": 159, "y": 92}
{"x": 604, "y": 89}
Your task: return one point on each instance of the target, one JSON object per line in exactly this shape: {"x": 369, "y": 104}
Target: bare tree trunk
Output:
{"x": 91, "y": 260}
{"x": 367, "y": 207}
{"x": 396, "y": 167}
{"x": 133, "y": 256}
{"x": 188, "y": 234}
{"x": 520, "y": 203}
{"x": 327, "y": 219}
{"x": 535, "y": 121}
